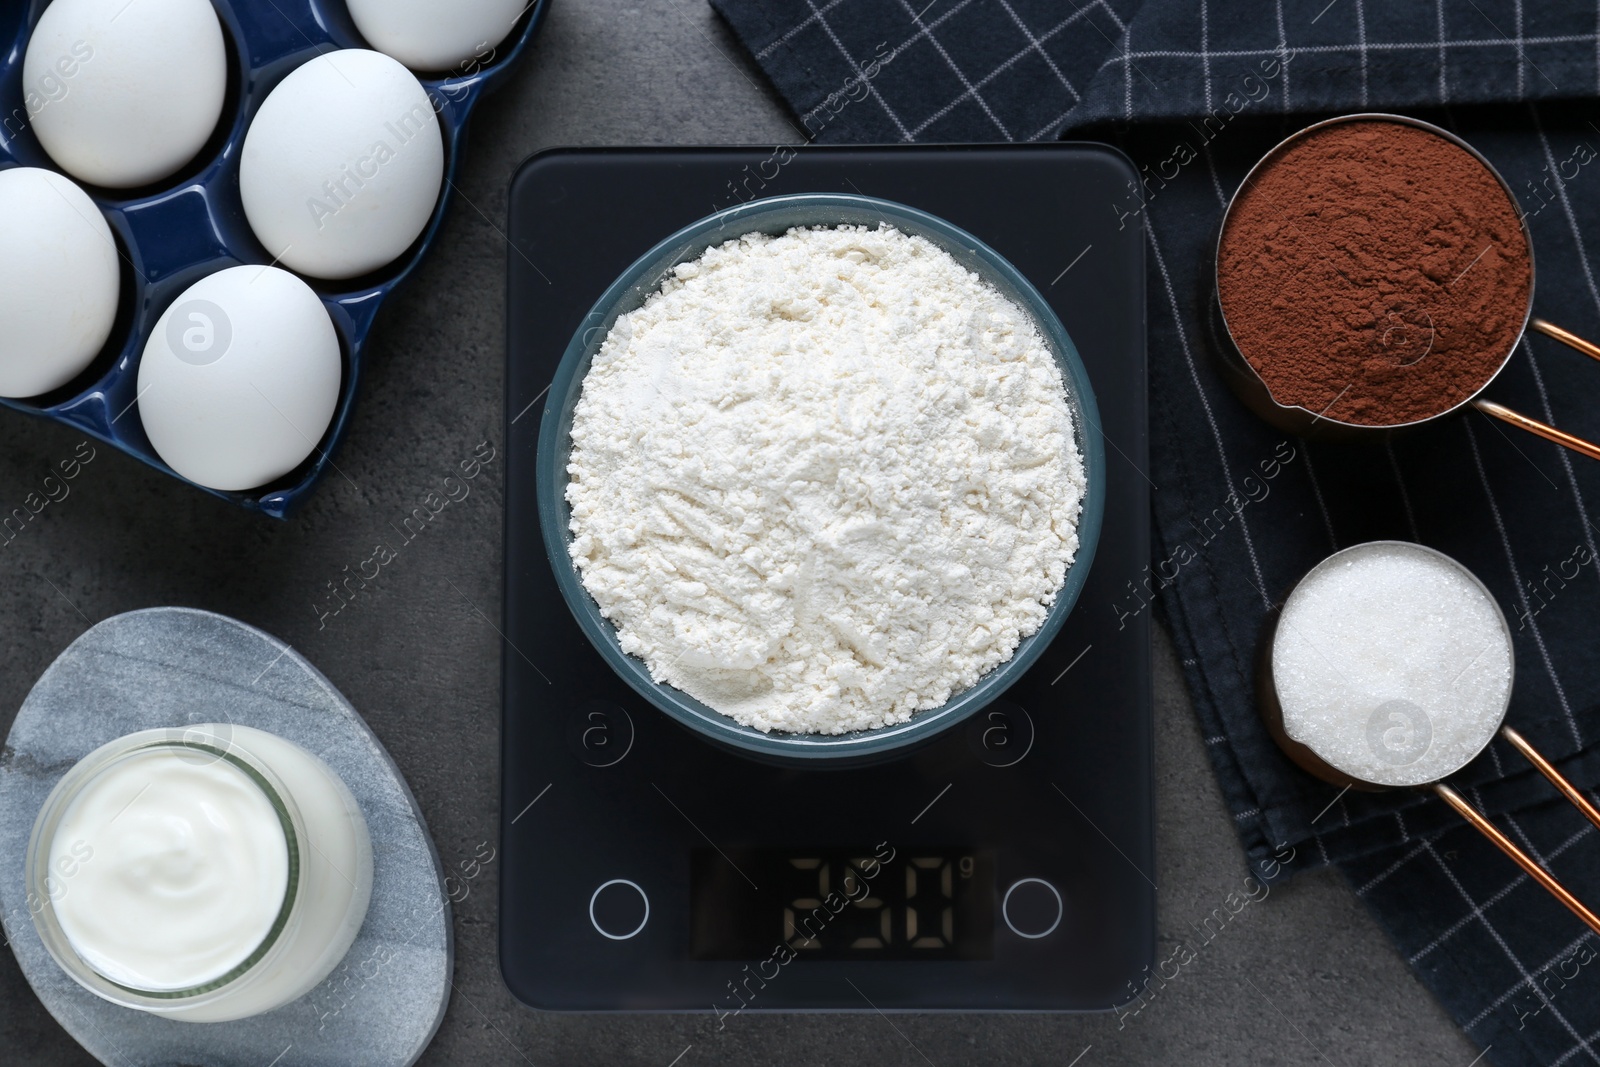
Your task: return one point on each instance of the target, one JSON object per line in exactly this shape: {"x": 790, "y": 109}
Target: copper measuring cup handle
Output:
{"x": 1506, "y": 845}
{"x": 1548, "y": 432}
{"x": 1534, "y": 426}
{"x": 1566, "y": 337}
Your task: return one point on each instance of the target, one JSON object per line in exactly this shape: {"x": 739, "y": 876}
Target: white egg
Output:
{"x": 453, "y": 35}
{"x": 342, "y": 166}
{"x": 59, "y": 281}
{"x": 240, "y": 378}
{"x": 122, "y": 94}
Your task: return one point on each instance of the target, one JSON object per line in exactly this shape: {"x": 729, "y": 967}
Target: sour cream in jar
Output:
{"x": 205, "y": 874}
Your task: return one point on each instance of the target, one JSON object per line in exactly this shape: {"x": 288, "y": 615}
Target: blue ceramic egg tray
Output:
{"x": 193, "y": 224}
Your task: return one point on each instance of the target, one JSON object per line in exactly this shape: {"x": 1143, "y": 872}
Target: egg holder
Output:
{"x": 192, "y": 224}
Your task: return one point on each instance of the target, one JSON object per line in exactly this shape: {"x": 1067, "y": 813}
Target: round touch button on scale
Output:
{"x": 1032, "y": 908}
{"x": 619, "y": 909}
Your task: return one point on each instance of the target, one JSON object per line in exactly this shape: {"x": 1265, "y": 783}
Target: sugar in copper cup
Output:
{"x": 1444, "y": 676}
{"x": 1411, "y": 324}
{"x": 1377, "y": 710}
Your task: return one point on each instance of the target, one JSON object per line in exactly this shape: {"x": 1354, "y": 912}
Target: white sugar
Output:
{"x": 1392, "y": 664}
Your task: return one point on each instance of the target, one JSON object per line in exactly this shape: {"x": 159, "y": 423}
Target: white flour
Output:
{"x": 825, "y": 480}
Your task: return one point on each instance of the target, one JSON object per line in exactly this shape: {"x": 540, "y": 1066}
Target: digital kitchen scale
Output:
{"x": 1005, "y": 866}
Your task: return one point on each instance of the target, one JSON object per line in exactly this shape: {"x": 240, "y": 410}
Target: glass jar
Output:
{"x": 220, "y": 872}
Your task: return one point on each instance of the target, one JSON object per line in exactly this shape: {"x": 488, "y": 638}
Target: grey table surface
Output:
{"x": 1304, "y": 977}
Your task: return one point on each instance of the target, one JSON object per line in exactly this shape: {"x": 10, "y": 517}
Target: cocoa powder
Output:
{"x": 1374, "y": 272}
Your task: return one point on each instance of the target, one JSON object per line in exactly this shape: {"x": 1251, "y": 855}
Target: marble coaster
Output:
{"x": 174, "y": 667}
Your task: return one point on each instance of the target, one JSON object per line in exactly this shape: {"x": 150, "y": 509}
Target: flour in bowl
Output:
{"x": 825, "y": 480}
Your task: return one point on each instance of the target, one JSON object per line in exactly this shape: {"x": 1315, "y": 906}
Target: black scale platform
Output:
{"x": 1004, "y": 867}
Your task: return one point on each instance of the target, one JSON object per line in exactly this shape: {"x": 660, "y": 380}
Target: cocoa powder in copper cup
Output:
{"x": 1403, "y": 324}
{"x": 1374, "y": 271}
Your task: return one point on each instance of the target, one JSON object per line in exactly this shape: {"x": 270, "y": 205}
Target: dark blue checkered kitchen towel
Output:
{"x": 1196, "y": 91}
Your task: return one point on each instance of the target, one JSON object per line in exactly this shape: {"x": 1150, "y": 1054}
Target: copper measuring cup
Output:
{"x": 1310, "y": 760}
{"x": 1248, "y": 385}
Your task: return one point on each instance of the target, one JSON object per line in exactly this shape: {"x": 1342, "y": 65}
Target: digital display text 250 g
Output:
{"x": 843, "y": 903}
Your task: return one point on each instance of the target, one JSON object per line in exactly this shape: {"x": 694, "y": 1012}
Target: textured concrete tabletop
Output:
{"x": 1304, "y": 977}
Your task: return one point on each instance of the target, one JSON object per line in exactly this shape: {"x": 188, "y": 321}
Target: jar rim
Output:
{"x": 211, "y": 738}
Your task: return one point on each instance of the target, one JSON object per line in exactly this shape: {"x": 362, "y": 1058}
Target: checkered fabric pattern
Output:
{"x": 1195, "y": 91}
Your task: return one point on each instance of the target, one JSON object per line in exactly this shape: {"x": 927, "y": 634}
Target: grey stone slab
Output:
{"x": 166, "y": 667}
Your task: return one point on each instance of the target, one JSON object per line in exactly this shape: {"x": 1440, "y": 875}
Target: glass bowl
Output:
{"x": 776, "y": 215}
